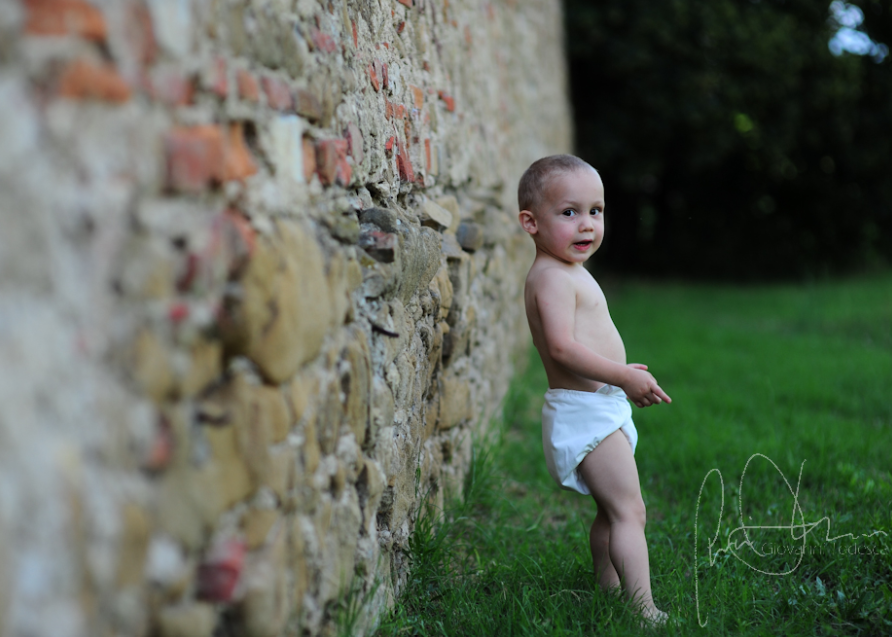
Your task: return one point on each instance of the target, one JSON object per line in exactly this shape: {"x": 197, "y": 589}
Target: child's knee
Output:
{"x": 636, "y": 511}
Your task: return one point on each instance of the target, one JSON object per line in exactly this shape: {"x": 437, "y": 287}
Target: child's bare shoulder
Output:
{"x": 548, "y": 277}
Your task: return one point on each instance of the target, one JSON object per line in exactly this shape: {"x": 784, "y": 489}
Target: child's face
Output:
{"x": 569, "y": 222}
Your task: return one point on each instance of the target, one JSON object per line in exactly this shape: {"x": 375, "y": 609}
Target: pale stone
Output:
{"x": 435, "y": 216}
{"x": 266, "y": 604}
{"x": 256, "y": 525}
{"x": 356, "y": 385}
{"x": 193, "y": 619}
{"x": 450, "y": 203}
{"x": 172, "y": 20}
{"x": 455, "y": 398}
{"x": 281, "y": 472}
{"x": 152, "y": 366}
{"x": 284, "y": 143}
{"x": 287, "y": 306}
{"x": 205, "y": 365}
{"x": 133, "y": 545}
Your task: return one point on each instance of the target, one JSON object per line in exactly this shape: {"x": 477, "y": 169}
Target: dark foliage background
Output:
{"x": 732, "y": 143}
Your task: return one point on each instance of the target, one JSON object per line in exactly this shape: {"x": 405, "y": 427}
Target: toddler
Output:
{"x": 587, "y": 430}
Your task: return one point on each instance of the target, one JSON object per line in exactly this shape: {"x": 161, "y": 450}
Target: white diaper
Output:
{"x": 575, "y": 422}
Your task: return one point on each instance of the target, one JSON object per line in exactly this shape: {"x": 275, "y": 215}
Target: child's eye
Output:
{"x": 595, "y": 211}
{"x": 569, "y": 212}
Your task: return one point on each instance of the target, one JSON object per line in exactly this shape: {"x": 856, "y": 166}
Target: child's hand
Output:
{"x": 642, "y": 388}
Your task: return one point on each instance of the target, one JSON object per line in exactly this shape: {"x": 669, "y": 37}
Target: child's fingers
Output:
{"x": 637, "y": 365}
{"x": 661, "y": 395}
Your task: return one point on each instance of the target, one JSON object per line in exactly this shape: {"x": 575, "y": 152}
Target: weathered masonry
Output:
{"x": 260, "y": 280}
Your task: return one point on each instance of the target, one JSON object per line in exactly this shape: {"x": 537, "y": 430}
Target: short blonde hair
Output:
{"x": 536, "y": 177}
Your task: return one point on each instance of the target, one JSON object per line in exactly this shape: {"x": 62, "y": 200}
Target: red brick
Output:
{"x": 64, "y": 17}
{"x": 239, "y": 238}
{"x": 401, "y": 27}
{"x": 418, "y": 96}
{"x": 355, "y": 35}
{"x": 309, "y": 158}
{"x": 389, "y": 144}
{"x": 278, "y": 93}
{"x": 220, "y": 78}
{"x": 354, "y": 143}
{"x": 388, "y": 108}
{"x": 248, "y": 88}
{"x": 82, "y": 80}
{"x": 373, "y": 76}
{"x": 379, "y": 245}
{"x": 140, "y": 33}
{"x": 238, "y": 163}
{"x": 308, "y": 105}
{"x": 220, "y": 571}
{"x": 400, "y": 111}
{"x": 407, "y": 3}
{"x": 331, "y": 162}
{"x": 178, "y": 312}
{"x": 448, "y": 100}
{"x": 161, "y": 452}
{"x": 404, "y": 164}
{"x": 427, "y": 155}
{"x": 385, "y": 79}
{"x": 194, "y": 157}
{"x": 323, "y": 42}
{"x": 187, "y": 277}
{"x": 171, "y": 86}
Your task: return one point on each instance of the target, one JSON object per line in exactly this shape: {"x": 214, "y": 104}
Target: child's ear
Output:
{"x": 528, "y": 221}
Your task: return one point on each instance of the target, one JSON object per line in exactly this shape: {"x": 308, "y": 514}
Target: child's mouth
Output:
{"x": 582, "y": 245}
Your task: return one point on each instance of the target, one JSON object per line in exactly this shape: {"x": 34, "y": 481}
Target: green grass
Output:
{"x": 798, "y": 374}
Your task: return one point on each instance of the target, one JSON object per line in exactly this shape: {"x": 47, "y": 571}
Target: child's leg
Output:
{"x": 611, "y": 475}
{"x": 599, "y": 539}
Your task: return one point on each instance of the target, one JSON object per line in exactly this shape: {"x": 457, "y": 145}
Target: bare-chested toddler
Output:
{"x": 587, "y": 430}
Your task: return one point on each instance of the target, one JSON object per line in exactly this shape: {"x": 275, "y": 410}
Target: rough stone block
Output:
{"x": 470, "y": 236}
{"x": 455, "y": 401}
{"x": 284, "y": 330}
{"x": 356, "y": 378}
{"x": 284, "y": 145}
{"x": 266, "y": 604}
{"x": 435, "y": 216}
{"x": 256, "y": 525}
{"x": 450, "y": 203}
{"x": 191, "y": 619}
{"x": 173, "y": 26}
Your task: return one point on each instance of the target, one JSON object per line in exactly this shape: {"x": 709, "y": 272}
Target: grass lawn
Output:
{"x": 796, "y": 374}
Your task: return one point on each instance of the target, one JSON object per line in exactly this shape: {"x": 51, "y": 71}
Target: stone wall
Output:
{"x": 260, "y": 282}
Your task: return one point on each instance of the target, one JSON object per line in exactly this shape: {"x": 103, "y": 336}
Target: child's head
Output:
{"x": 535, "y": 180}
{"x": 561, "y": 201}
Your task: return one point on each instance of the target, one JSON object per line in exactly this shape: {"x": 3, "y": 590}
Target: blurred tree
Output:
{"x": 733, "y": 144}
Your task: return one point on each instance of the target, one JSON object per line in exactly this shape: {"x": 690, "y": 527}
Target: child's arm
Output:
{"x": 556, "y": 303}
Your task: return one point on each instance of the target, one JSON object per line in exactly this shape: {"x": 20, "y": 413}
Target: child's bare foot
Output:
{"x": 653, "y": 616}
